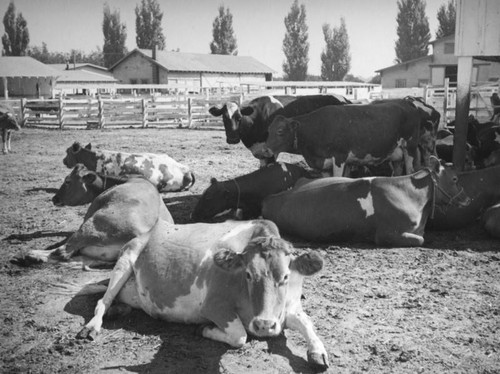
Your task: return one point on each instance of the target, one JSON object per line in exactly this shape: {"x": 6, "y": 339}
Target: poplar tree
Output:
{"x": 335, "y": 58}
{"x": 115, "y": 34}
{"x": 413, "y": 30}
{"x": 446, "y": 16}
{"x": 148, "y": 28}
{"x": 17, "y": 37}
{"x": 224, "y": 41}
{"x": 296, "y": 44}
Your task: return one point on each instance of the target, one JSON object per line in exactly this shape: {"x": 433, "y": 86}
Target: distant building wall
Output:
{"x": 27, "y": 87}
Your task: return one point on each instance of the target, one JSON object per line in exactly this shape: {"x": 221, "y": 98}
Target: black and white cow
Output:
{"x": 8, "y": 122}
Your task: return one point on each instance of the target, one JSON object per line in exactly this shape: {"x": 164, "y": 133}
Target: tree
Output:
{"x": 17, "y": 37}
{"x": 446, "y": 16}
{"x": 295, "y": 44}
{"x": 335, "y": 58}
{"x": 224, "y": 42}
{"x": 413, "y": 30}
{"x": 115, "y": 34}
{"x": 148, "y": 25}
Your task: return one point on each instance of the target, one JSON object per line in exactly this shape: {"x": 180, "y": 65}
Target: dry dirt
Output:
{"x": 434, "y": 309}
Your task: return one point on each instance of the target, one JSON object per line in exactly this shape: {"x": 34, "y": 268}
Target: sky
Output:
{"x": 258, "y": 26}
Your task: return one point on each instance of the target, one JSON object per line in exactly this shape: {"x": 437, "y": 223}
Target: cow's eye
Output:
{"x": 249, "y": 276}
{"x": 455, "y": 179}
{"x": 284, "y": 280}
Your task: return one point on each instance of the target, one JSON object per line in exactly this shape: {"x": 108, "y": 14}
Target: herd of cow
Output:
{"x": 240, "y": 276}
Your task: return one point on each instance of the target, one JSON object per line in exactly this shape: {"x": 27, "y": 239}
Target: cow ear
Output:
{"x": 216, "y": 111}
{"x": 89, "y": 178}
{"x": 228, "y": 260}
{"x": 213, "y": 181}
{"x": 88, "y": 146}
{"x": 247, "y": 111}
{"x": 435, "y": 164}
{"x": 307, "y": 264}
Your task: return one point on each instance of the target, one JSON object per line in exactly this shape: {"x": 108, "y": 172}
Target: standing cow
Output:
{"x": 163, "y": 171}
{"x": 351, "y": 134}
{"x": 8, "y": 123}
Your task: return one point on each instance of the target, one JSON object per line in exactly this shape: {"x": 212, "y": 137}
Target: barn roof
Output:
{"x": 78, "y": 66}
{"x": 25, "y": 66}
{"x": 85, "y": 76}
{"x": 206, "y": 63}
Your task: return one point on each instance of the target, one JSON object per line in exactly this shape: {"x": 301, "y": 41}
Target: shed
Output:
{"x": 195, "y": 71}
{"x": 25, "y": 76}
{"x": 84, "y": 79}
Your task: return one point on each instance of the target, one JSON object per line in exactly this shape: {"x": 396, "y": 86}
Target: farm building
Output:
{"x": 193, "y": 71}
{"x": 434, "y": 68}
{"x": 83, "y": 78}
{"x": 25, "y": 76}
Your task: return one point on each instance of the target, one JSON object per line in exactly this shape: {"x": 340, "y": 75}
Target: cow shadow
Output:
{"x": 182, "y": 348}
{"x": 181, "y": 207}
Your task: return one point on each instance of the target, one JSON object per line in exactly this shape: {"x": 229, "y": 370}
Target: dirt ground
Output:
{"x": 431, "y": 309}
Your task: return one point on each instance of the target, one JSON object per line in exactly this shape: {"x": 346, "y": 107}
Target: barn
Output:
{"x": 195, "y": 71}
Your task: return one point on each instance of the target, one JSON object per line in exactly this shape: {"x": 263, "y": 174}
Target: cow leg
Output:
{"x": 405, "y": 239}
{"x": 316, "y": 352}
{"x": 9, "y": 133}
{"x": 121, "y": 273}
{"x": 338, "y": 171}
{"x": 4, "y": 141}
{"x": 234, "y": 334}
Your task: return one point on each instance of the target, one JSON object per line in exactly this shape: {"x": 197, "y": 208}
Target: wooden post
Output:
{"x": 144, "y": 114}
{"x": 462, "y": 110}
{"x": 24, "y": 112}
{"x": 190, "y": 112}
{"x": 100, "y": 113}
{"x": 445, "y": 100}
{"x": 61, "y": 113}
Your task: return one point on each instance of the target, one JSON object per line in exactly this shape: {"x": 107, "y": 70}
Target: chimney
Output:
{"x": 156, "y": 69}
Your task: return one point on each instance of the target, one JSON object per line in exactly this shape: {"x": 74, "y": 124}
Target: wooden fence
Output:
{"x": 161, "y": 111}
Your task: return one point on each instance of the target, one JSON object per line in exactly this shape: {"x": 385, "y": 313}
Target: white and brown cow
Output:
{"x": 163, "y": 171}
{"x": 389, "y": 211}
{"x": 8, "y": 123}
{"x": 235, "y": 278}
{"x": 117, "y": 218}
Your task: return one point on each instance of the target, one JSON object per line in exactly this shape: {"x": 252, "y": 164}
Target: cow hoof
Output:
{"x": 26, "y": 260}
{"x": 88, "y": 334}
{"x": 318, "y": 360}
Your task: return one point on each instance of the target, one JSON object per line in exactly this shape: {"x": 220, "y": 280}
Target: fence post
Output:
{"x": 100, "y": 114}
{"x": 190, "y": 113}
{"x": 24, "y": 112}
{"x": 61, "y": 113}
{"x": 144, "y": 114}
{"x": 445, "y": 100}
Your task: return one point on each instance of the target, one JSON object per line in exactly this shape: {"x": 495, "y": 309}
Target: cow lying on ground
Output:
{"x": 233, "y": 277}
{"x": 483, "y": 187}
{"x": 116, "y": 219}
{"x": 351, "y": 134}
{"x": 390, "y": 211}
{"x": 251, "y": 123}
{"x": 82, "y": 186}
{"x": 491, "y": 220}
{"x": 161, "y": 170}
{"x": 247, "y": 191}
{"x": 8, "y": 123}
{"x": 495, "y": 104}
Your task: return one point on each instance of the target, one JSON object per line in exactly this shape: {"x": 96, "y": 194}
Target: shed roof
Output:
{"x": 78, "y": 66}
{"x": 84, "y": 76}
{"x": 207, "y": 63}
{"x": 25, "y": 66}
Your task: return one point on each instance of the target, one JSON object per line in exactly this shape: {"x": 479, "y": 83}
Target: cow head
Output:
{"x": 8, "y": 121}
{"x": 282, "y": 136}
{"x": 216, "y": 199}
{"x": 78, "y": 187}
{"x": 447, "y": 191}
{"x": 272, "y": 275}
{"x": 73, "y": 154}
{"x": 231, "y": 117}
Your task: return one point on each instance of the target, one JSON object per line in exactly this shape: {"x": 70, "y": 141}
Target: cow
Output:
{"x": 235, "y": 278}
{"x": 116, "y": 219}
{"x": 483, "y": 187}
{"x": 444, "y": 149}
{"x": 8, "y": 123}
{"x": 495, "y": 105}
{"x": 491, "y": 220}
{"x": 163, "y": 171}
{"x": 246, "y": 192}
{"x": 351, "y": 134}
{"x": 82, "y": 186}
{"x": 390, "y": 211}
{"x": 489, "y": 141}
{"x": 251, "y": 123}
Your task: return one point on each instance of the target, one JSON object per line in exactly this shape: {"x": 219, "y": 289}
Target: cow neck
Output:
{"x": 239, "y": 193}
{"x": 437, "y": 187}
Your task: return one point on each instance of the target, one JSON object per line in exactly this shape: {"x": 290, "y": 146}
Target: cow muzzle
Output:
{"x": 266, "y": 327}
{"x": 232, "y": 140}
